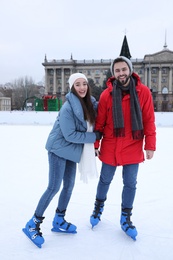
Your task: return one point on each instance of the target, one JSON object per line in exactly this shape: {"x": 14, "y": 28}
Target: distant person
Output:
{"x": 126, "y": 119}
{"x": 65, "y": 145}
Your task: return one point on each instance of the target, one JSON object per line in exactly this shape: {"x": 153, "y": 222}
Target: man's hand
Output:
{"x": 149, "y": 154}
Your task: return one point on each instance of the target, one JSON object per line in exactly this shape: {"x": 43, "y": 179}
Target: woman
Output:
{"x": 65, "y": 145}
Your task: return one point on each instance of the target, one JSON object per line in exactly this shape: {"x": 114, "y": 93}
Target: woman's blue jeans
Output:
{"x": 129, "y": 175}
{"x": 59, "y": 170}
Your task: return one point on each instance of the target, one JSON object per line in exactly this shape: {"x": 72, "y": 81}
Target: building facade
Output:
{"x": 5, "y": 104}
{"x": 155, "y": 71}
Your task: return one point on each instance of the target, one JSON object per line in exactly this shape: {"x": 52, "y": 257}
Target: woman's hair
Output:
{"x": 86, "y": 103}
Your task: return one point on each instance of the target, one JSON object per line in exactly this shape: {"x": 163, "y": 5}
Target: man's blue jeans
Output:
{"x": 129, "y": 175}
{"x": 59, "y": 170}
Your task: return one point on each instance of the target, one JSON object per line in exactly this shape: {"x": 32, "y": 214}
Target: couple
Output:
{"x": 121, "y": 124}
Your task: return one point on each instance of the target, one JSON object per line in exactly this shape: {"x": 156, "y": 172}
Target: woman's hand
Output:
{"x": 97, "y": 152}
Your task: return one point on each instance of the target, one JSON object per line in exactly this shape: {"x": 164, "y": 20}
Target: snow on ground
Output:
{"x": 24, "y": 176}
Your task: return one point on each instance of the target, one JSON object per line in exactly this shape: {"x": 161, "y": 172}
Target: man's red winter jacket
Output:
{"x": 124, "y": 150}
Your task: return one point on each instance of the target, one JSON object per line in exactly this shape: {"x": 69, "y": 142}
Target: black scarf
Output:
{"x": 135, "y": 110}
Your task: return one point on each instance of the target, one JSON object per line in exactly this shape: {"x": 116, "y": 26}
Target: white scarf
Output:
{"x": 87, "y": 165}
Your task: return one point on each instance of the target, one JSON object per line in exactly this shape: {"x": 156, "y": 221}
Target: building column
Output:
{"x": 160, "y": 80}
{"x": 145, "y": 76}
{"x": 62, "y": 85}
{"x": 170, "y": 80}
{"x": 54, "y": 82}
{"x": 46, "y": 82}
{"x": 149, "y": 77}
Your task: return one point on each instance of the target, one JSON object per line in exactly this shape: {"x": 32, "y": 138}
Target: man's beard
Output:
{"x": 123, "y": 82}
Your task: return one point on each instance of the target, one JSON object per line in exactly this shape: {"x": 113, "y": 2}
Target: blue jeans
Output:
{"x": 59, "y": 170}
{"x": 129, "y": 175}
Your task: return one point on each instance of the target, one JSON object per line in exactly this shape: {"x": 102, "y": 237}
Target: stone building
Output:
{"x": 57, "y": 73}
{"x": 155, "y": 71}
{"x": 5, "y": 104}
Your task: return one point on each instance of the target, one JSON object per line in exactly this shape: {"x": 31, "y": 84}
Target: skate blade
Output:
{"x": 26, "y": 233}
{"x": 93, "y": 227}
{"x": 63, "y": 231}
{"x": 133, "y": 237}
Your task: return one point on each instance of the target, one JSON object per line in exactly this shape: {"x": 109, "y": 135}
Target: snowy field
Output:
{"x": 24, "y": 176}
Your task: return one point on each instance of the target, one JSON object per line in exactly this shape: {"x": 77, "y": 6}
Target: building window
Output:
{"x": 97, "y": 80}
{"x": 50, "y": 72}
{"x": 66, "y": 81}
{"x": 165, "y": 98}
{"x": 154, "y": 98}
{"x": 164, "y": 70}
{"x": 154, "y": 71}
{"x": 154, "y": 89}
{"x": 58, "y": 72}
{"x": 165, "y": 90}
{"x": 164, "y": 80}
{"x": 67, "y": 72}
{"x": 97, "y": 72}
{"x": 142, "y": 80}
{"x": 51, "y": 81}
{"x": 154, "y": 80}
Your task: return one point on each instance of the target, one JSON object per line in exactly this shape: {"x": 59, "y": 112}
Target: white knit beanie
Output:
{"x": 129, "y": 63}
{"x": 74, "y": 77}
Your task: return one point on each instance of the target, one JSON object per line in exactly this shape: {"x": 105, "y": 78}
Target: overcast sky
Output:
{"x": 90, "y": 29}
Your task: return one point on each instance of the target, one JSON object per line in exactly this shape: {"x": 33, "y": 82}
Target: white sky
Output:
{"x": 87, "y": 29}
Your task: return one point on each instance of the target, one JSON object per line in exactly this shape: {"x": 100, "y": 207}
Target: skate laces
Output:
{"x": 61, "y": 222}
{"x": 97, "y": 211}
{"x": 36, "y": 228}
{"x": 127, "y": 221}
{"x": 64, "y": 222}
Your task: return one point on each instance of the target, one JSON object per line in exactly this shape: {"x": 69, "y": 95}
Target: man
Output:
{"x": 126, "y": 119}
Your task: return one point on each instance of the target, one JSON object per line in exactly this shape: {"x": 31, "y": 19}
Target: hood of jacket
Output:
{"x": 75, "y": 106}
